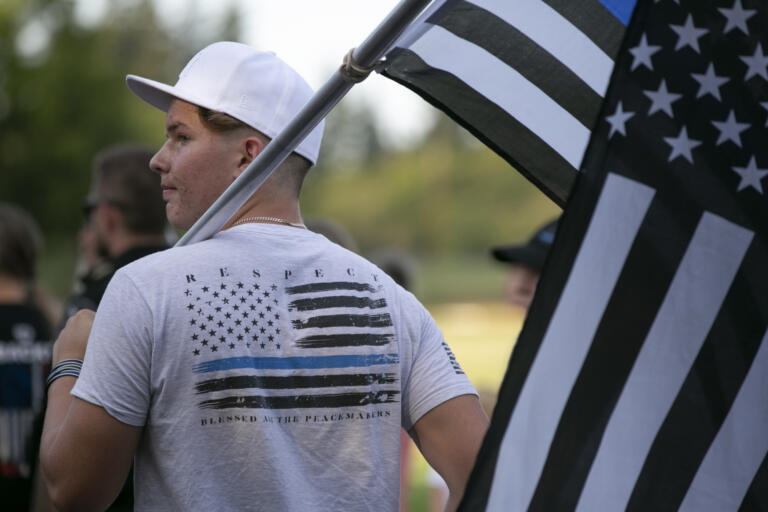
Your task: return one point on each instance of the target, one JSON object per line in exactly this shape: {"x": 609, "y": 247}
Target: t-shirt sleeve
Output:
{"x": 435, "y": 376}
{"x": 116, "y": 368}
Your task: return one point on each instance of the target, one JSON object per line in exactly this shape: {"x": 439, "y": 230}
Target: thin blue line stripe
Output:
{"x": 296, "y": 363}
{"x": 622, "y": 9}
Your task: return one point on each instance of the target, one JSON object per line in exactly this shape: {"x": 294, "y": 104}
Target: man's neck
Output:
{"x": 280, "y": 209}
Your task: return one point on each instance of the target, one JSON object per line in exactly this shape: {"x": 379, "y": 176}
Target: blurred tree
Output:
{"x": 352, "y": 138}
{"x": 63, "y": 95}
{"x": 443, "y": 198}
{"x": 447, "y": 131}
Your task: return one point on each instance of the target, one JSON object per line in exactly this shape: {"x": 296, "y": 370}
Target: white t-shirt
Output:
{"x": 270, "y": 369}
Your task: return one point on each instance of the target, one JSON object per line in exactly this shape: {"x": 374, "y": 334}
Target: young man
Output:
{"x": 265, "y": 368}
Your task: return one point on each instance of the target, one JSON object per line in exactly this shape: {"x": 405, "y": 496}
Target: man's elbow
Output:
{"x": 66, "y": 499}
{"x": 66, "y": 493}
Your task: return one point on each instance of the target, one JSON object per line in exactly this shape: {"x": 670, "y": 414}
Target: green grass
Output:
{"x": 459, "y": 278}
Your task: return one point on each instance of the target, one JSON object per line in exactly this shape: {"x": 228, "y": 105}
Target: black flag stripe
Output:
{"x": 518, "y": 51}
{"x": 532, "y": 157}
{"x": 706, "y": 395}
{"x": 341, "y": 301}
{"x": 344, "y": 340}
{"x": 679, "y": 330}
{"x": 558, "y": 76}
{"x": 756, "y": 498}
{"x": 382, "y": 320}
{"x": 302, "y": 401}
{"x": 597, "y": 266}
{"x": 293, "y": 381}
{"x": 641, "y": 286}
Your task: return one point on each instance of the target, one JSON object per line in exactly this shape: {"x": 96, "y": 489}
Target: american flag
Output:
{"x": 527, "y": 77}
{"x": 319, "y": 344}
{"x": 640, "y": 380}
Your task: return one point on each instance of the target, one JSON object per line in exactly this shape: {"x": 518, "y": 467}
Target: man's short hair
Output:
{"x": 294, "y": 168}
{"x": 122, "y": 178}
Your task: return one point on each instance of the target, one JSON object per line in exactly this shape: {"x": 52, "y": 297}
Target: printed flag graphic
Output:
{"x": 304, "y": 346}
{"x": 527, "y": 77}
{"x": 640, "y": 380}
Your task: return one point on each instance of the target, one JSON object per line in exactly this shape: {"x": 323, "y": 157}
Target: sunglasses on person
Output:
{"x": 90, "y": 204}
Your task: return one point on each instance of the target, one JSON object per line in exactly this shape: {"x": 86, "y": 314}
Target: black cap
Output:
{"x": 532, "y": 254}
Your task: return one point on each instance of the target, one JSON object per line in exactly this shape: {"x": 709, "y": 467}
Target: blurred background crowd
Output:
{"x": 432, "y": 207}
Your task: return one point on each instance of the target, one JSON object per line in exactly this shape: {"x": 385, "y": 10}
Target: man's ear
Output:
{"x": 250, "y": 149}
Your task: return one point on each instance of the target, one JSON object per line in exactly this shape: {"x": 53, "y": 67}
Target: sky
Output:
{"x": 312, "y": 36}
{"x": 315, "y": 43}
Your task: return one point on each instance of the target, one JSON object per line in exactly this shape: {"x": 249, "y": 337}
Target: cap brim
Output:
{"x": 158, "y": 94}
{"x": 520, "y": 254}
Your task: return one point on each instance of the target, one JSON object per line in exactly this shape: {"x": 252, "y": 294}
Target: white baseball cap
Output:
{"x": 257, "y": 88}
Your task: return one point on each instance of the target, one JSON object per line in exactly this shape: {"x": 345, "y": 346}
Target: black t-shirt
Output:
{"x": 91, "y": 287}
{"x": 25, "y": 355}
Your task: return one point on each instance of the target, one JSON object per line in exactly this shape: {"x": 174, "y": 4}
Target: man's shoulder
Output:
{"x": 168, "y": 255}
{"x": 154, "y": 265}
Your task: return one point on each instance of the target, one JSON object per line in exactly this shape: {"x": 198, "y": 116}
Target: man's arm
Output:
{"x": 85, "y": 453}
{"x": 449, "y": 436}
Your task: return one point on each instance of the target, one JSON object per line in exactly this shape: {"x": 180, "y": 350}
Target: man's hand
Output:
{"x": 73, "y": 339}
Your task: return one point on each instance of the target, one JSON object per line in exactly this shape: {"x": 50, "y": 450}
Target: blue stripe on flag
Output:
{"x": 622, "y": 9}
{"x": 292, "y": 363}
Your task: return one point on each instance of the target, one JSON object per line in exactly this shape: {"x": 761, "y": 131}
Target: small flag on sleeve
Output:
{"x": 640, "y": 379}
{"x": 527, "y": 77}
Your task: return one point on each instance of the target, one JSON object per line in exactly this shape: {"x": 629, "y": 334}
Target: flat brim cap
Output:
{"x": 533, "y": 257}
{"x": 255, "y": 87}
{"x": 532, "y": 254}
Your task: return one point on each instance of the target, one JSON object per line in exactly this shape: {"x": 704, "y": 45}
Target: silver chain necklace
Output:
{"x": 270, "y": 219}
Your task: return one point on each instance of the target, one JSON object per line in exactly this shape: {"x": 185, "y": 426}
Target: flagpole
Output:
{"x": 364, "y": 56}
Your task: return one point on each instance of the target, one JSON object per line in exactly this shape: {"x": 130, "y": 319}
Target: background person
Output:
{"x": 266, "y": 365}
{"x": 526, "y": 263}
{"x": 25, "y": 334}
{"x": 124, "y": 221}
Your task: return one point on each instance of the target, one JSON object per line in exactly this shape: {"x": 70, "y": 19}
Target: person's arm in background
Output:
{"x": 85, "y": 453}
{"x": 41, "y": 502}
{"x": 449, "y": 436}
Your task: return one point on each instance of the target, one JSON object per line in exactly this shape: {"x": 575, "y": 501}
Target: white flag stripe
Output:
{"x": 492, "y": 78}
{"x": 555, "y": 34}
{"x": 678, "y": 331}
{"x": 618, "y": 215}
{"x": 739, "y": 447}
